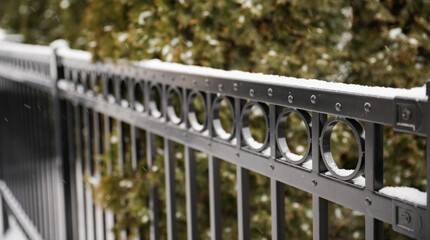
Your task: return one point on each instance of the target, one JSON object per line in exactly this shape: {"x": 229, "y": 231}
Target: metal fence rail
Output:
{"x": 87, "y": 96}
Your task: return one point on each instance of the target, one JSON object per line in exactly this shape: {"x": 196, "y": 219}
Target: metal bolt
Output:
{"x": 367, "y": 107}
{"x": 220, "y": 87}
{"x": 194, "y": 82}
{"x": 235, "y": 87}
{"x": 313, "y": 99}
{"x": 405, "y": 217}
{"x": 185, "y": 135}
{"x": 237, "y": 154}
{"x": 209, "y": 144}
{"x": 173, "y": 79}
{"x": 251, "y": 92}
{"x": 406, "y": 114}
{"x": 153, "y": 76}
{"x": 272, "y": 166}
{"x": 368, "y": 201}
{"x": 314, "y": 182}
{"x": 290, "y": 98}
{"x": 163, "y": 75}
{"x": 183, "y": 78}
{"x": 270, "y": 92}
{"x": 207, "y": 82}
{"x": 338, "y": 107}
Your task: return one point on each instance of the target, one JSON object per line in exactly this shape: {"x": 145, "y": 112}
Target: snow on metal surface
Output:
{"x": 415, "y": 93}
{"x": 17, "y": 48}
{"x": 408, "y": 194}
{"x": 418, "y": 93}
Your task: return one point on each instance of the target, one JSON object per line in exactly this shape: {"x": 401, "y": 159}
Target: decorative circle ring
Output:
{"x": 155, "y": 112}
{"x": 170, "y": 105}
{"x": 246, "y": 132}
{"x": 192, "y": 116}
{"x": 281, "y": 139}
{"x": 219, "y": 130}
{"x": 326, "y": 153}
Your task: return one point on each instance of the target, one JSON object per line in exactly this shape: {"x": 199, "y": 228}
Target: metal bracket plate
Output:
{"x": 406, "y": 219}
{"x": 408, "y": 116}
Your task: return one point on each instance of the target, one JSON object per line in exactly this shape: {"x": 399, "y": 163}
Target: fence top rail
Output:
{"x": 24, "y": 50}
{"x": 417, "y": 93}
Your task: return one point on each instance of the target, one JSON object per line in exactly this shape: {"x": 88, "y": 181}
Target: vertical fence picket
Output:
{"x": 98, "y": 151}
{"x": 243, "y": 215}
{"x": 89, "y": 207}
{"x": 73, "y": 210}
{"x": 191, "y": 192}
{"x": 374, "y": 173}
{"x": 153, "y": 194}
{"x": 169, "y": 165}
{"x": 1, "y": 217}
{"x": 215, "y": 198}
{"x": 319, "y": 205}
{"x": 277, "y": 189}
{"x": 109, "y": 217}
{"x": 79, "y": 177}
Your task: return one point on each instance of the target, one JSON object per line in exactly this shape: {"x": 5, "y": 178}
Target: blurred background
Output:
{"x": 381, "y": 43}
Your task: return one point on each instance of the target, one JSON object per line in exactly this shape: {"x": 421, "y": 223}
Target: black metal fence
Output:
{"x": 54, "y": 102}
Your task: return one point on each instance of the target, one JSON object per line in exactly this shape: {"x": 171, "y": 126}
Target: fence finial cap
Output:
{"x": 60, "y": 43}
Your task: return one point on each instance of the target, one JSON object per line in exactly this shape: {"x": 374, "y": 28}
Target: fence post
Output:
{"x": 428, "y": 157}
{"x": 60, "y": 142}
{"x": 1, "y": 217}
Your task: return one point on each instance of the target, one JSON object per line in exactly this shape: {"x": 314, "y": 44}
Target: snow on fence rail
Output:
{"x": 108, "y": 91}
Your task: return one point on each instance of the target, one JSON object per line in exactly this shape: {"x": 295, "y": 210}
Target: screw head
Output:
{"x": 235, "y": 87}
{"x": 313, "y": 99}
{"x": 194, "y": 82}
{"x": 270, "y": 92}
{"x": 367, "y": 107}
{"x": 272, "y": 166}
{"x": 237, "y": 154}
{"x": 314, "y": 182}
{"x": 368, "y": 201}
{"x": 251, "y": 92}
{"x": 173, "y": 79}
{"x": 406, "y": 114}
{"x": 207, "y": 82}
{"x": 290, "y": 98}
{"x": 338, "y": 107}
{"x": 405, "y": 217}
{"x": 183, "y": 78}
{"x": 220, "y": 87}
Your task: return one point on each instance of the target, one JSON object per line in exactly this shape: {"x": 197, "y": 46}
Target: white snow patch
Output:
{"x": 360, "y": 180}
{"x": 94, "y": 181}
{"x": 14, "y": 232}
{"x": 415, "y": 93}
{"x": 124, "y": 103}
{"x": 395, "y": 32}
{"x": 409, "y": 194}
{"x": 111, "y": 98}
{"x": 126, "y": 184}
{"x": 308, "y": 164}
{"x": 138, "y": 106}
{"x": 293, "y": 156}
{"x": 413, "y": 41}
{"x": 18, "y": 49}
